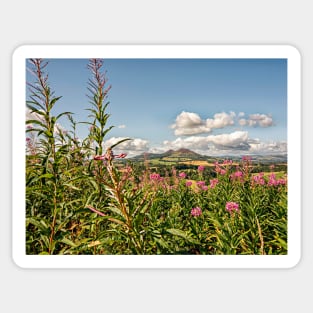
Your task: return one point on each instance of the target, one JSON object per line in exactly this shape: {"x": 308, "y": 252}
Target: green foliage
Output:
{"x": 81, "y": 200}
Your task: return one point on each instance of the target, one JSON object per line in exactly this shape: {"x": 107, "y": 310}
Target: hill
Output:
{"x": 171, "y": 155}
{"x": 189, "y": 157}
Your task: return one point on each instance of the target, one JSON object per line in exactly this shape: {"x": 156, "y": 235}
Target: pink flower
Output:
{"x": 109, "y": 156}
{"x": 200, "y": 183}
{"x": 246, "y": 158}
{"x": 200, "y": 168}
{"x": 182, "y": 175}
{"x": 281, "y": 181}
{"x": 258, "y": 179}
{"x": 213, "y": 182}
{"x": 222, "y": 172}
{"x": 120, "y": 156}
{"x": 228, "y": 162}
{"x": 204, "y": 188}
{"x": 155, "y": 177}
{"x": 188, "y": 183}
{"x": 232, "y": 206}
{"x": 238, "y": 174}
{"x": 272, "y": 180}
{"x": 196, "y": 211}
{"x": 99, "y": 157}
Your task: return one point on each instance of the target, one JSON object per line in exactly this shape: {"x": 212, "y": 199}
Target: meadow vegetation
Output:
{"x": 81, "y": 200}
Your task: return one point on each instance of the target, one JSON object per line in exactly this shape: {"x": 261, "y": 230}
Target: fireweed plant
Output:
{"x": 81, "y": 199}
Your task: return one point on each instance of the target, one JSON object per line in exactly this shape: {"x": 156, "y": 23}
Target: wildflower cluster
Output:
{"x": 196, "y": 211}
{"x": 232, "y": 206}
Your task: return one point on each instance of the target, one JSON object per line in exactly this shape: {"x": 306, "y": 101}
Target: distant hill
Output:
{"x": 171, "y": 155}
{"x": 187, "y": 156}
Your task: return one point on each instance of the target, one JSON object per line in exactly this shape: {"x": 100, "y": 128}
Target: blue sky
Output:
{"x": 212, "y": 106}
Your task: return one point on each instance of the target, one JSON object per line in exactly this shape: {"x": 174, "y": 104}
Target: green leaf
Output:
{"x": 40, "y": 225}
{"x": 36, "y": 122}
{"x": 114, "y": 209}
{"x": 63, "y": 113}
{"x": 119, "y": 142}
{"x": 69, "y": 242}
{"x": 53, "y": 101}
{"x": 72, "y": 186}
{"x": 182, "y": 234}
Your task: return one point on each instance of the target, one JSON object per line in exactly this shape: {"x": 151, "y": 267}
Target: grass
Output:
{"x": 79, "y": 200}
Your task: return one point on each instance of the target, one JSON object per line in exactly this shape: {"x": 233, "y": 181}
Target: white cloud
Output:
{"x": 255, "y": 120}
{"x": 269, "y": 147}
{"x": 238, "y": 140}
{"x": 193, "y": 143}
{"x": 221, "y": 120}
{"x": 130, "y": 147}
{"x": 189, "y": 123}
{"x": 121, "y": 126}
{"x": 231, "y": 143}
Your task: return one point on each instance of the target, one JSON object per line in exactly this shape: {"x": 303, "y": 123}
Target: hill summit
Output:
{"x": 171, "y": 154}
{"x": 183, "y": 153}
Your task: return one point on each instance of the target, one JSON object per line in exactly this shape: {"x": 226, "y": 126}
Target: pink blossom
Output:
{"x": 222, "y": 172}
{"x": 204, "y": 188}
{"x": 200, "y": 168}
{"x": 238, "y": 174}
{"x": 272, "y": 180}
{"x": 99, "y": 157}
{"x": 196, "y": 211}
{"x": 155, "y": 177}
{"x": 232, "y": 206}
{"x": 228, "y": 162}
{"x": 120, "y": 156}
{"x": 188, "y": 183}
{"x": 246, "y": 158}
{"x": 182, "y": 175}
{"x": 281, "y": 181}
{"x": 259, "y": 179}
{"x": 109, "y": 156}
{"x": 200, "y": 183}
{"x": 213, "y": 182}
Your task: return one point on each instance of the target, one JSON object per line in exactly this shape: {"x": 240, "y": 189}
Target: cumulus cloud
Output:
{"x": 231, "y": 143}
{"x": 221, "y": 120}
{"x": 189, "y": 123}
{"x": 131, "y": 147}
{"x": 238, "y": 140}
{"x": 269, "y": 147}
{"x": 192, "y": 142}
{"x": 121, "y": 126}
{"x": 257, "y": 120}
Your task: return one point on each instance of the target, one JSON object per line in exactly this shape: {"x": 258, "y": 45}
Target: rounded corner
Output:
{"x": 294, "y": 50}
{"x": 295, "y": 262}
{"x": 19, "y": 50}
{"x": 17, "y": 262}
